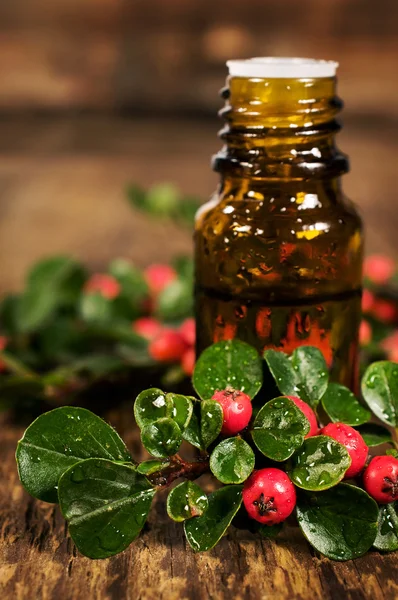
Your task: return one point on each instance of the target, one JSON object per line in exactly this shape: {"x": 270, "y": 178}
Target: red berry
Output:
{"x": 365, "y": 333}
{"x": 168, "y": 346}
{"x": 368, "y": 301}
{"x": 147, "y": 327}
{"x": 188, "y": 331}
{"x": 381, "y": 479}
{"x": 3, "y": 345}
{"x": 103, "y": 284}
{"x": 237, "y": 409}
{"x": 379, "y": 268}
{"x": 384, "y": 310}
{"x": 269, "y": 496}
{"x": 308, "y": 412}
{"x": 354, "y": 444}
{"x": 159, "y": 276}
{"x": 188, "y": 361}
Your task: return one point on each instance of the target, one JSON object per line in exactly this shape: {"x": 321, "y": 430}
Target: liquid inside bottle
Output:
{"x": 278, "y": 249}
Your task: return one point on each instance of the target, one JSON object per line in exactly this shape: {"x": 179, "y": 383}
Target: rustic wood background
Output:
{"x": 97, "y": 93}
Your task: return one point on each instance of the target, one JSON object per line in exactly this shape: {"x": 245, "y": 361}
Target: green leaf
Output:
{"x": 175, "y": 302}
{"x": 279, "y": 429}
{"x": 185, "y": 501}
{"x": 270, "y": 531}
{"x": 304, "y": 374}
{"x": 132, "y": 281}
{"x": 380, "y": 391}
{"x": 228, "y": 363}
{"x": 148, "y": 467}
{"x": 192, "y": 433}
{"x": 232, "y": 461}
{"x": 52, "y": 283}
{"x": 387, "y": 531}
{"x": 374, "y": 435}
{"x": 211, "y": 420}
{"x": 162, "y": 437}
{"x": 95, "y": 308}
{"x": 59, "y": 439}
{"x": 319, "y": 464}
{"x": 106, "y": 505}
{"x": 204, "y": 532}
{"x": 340, "y": 523}
{"x": 180, "y": 409}
{"x": 392, "y": 452}
{"x": 341, "y": 406}
{"x": 282, "y": 371}
{"x": 151, "y": 405}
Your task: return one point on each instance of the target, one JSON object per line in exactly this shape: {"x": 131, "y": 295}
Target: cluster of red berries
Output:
{"x": 268, "y": 494}
{"x": 166, "y": 344}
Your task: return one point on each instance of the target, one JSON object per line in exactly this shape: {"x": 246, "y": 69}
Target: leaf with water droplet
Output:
{"x": 340, "y": 523}
{"x": 232, "y": 461}
{"x": 304, "y": 374}
{"x": 211, "y": 420}
{"x": 150, "y": 405}
{"x": 59, "y": 439}
{"x": 162, "y": 438}
{"x": 228, "y": 363}
{"x": 147, "y": 467}
{"x": 380, "y": 390}
{"x": 185, "y": 501}
{"x": 204, "y": 532}
{"x": 279, "y": 429}
{"x": 387, "y": 531}
{"x": 106, "y": 505}
{"x": 374, "y": 435}
{"x": 181, "y": 409}
{"x": 319, "y": 464}
{"x": 341, "y": 406}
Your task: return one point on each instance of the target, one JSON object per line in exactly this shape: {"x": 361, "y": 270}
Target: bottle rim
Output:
{"x": 273, "y": 67}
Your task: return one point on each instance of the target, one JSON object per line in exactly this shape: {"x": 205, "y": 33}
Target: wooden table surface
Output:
{"x": 61, "y": 186}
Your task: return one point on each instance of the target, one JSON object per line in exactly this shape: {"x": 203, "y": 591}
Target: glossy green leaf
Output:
{"x": 59, "y": 439}
{"x": 192, "y": 433}
{"x": 279, "y": 429}
{"x": 185, "y": 501}
{"x": 387, "y": 530}
{"x": 375, "y": 435}
{"x": 304, "y": 374}
{"x": 340, "y": 523}
{"x": 106, "y": 505}
{"x": 151, "y": 405}
{"x": 229, "y": 363}
{"x": 52, "y": 283}
{"x": 282, "y": 371}
{"x": 211, "y": 420}
{"x": 232, "y": 461}
{"x": 204, "y": 532}
{"x": 319, "y": 464}
{"x": 148, "y": 467}
{"x": 341, "y": 406}
{"x": 180, "y": 409}
{"x": 162, "y": 437}
{"x": 380, "y": 391}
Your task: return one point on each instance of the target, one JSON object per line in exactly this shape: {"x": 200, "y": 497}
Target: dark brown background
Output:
{"x": 97, "y": 93}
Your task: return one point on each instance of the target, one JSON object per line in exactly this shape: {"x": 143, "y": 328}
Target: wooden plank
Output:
{"x": 38, "y": 560}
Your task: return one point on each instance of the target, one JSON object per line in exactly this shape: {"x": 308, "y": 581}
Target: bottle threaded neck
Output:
{"x": 280, "y": 127}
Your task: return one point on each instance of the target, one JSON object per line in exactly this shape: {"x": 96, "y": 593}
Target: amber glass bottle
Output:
{"x": 279, "y": 247}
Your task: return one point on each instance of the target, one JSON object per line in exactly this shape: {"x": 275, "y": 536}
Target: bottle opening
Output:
{"x": 278, "y": 67}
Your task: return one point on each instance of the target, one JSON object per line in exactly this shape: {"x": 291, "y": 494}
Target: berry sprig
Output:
{"x": 68, "y": 330}
{"x": 275, "y": 458}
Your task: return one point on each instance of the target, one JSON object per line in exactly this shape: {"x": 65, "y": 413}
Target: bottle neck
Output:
{"x": 280, "y": 129}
